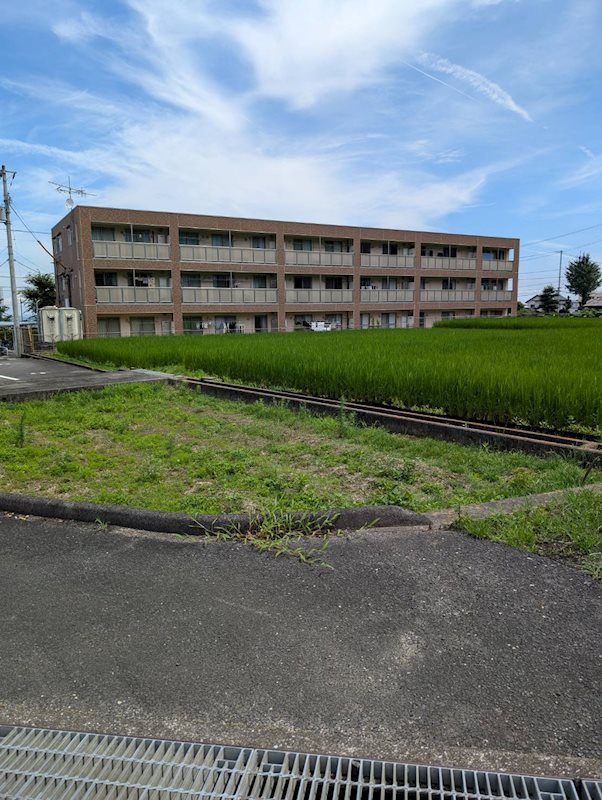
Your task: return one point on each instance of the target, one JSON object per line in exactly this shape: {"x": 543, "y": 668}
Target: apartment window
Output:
{"x": 141, "y": 235}
{"x": 302, "y": 282}
{"x": 422, "y": 320}
{"x": 261, "y": 323}
{"x": 422, "y": 284}
{"x": 333, "y": 283}
{"x": 193, "y": 325}
{"x": 144, "y": 279}
{"x": 142, "y": 326}
{"x": 189, "y": 237}
{"x": 109, "y": 326}
{"x": 222, "y": 281}
{"x": 390, "y": 249}
{"x": 303, "y": 320}
{"x": 191, "y": 280}
{"x": 389, "y": 283}
{"x": 103, "y": 234}
{"x": 220, "y": 240}
{"x": 106, "y": 278}
{"x": 302, "y": 244}
{"x": 260, "y": 282}
{"x": 58, "y": 243}
{"x": 69, "y": 235}
{"x": 332, "y": 246}
{"x": 426, "y": 251}
{"x": 387, "y": 320}
{"x": 259, "y": 242}
{"x": 449, "y": 252}
{"x": 449, "y": 284}
{"x": 366, "y": 283}
{"x": 365, "y": 248}
{"x": 493, "y": 254}
{"x": 448, "y": 314}
{"x": 336, "y": 320}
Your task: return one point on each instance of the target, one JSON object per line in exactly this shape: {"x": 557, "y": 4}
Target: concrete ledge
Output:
{"x": 200, "y": 524}
{"x": 445, "y": 519}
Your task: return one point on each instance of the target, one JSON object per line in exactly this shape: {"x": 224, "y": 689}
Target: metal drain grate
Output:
{"x": 590, "y": 790}
{"x": 55, "y": 765}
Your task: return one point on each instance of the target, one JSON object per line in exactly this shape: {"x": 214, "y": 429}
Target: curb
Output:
{"x": 442, "y": 520}
{"x": 200, "y": 524}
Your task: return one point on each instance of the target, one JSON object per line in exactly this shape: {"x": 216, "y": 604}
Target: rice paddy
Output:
{"x": 544, "y": 373}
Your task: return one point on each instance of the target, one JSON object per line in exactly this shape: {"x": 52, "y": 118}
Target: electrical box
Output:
{"x": 59, "y": 324}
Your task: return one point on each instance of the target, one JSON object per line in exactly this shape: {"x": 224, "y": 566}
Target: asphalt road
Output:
{"x": 32, "y": 377}
{"x": 417, "y": 646}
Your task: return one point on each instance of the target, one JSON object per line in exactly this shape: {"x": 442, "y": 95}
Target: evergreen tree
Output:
{"x": 583, "y": 276}
{"x": 40, "y": 291}
{"x": 4, "y": 315}
{"x": 548, "y": 300}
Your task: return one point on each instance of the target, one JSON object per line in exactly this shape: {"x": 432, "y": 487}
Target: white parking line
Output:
{"x": 9, "y": 378}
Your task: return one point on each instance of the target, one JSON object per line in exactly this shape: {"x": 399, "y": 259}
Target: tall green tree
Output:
{"x": 4, "y": 315}
{"x": 40, "y": 291}
{"x": 548, "y": 300}
{"x": 583, "y": 276}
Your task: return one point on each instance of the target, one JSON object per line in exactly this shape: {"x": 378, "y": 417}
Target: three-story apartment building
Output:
{"x": 145, "y": 272}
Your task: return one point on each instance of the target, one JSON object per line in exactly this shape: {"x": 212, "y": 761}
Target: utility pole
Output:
{"x": 559, "y": 277}
{"x": 11, "y": 264}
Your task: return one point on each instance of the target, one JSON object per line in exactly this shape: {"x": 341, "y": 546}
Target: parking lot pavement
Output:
{"x": 23, "y": 378}
{"x": 427, "y": 647}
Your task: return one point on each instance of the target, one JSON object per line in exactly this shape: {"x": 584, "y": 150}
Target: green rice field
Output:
{"x": 525, "y": 371}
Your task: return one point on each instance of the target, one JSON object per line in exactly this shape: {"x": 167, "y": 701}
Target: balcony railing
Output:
{"x": 319, "y": 295}
{"x": 379, "y": 261}
{"x": 499, "y": 295}
{"x": 133, "y": 294}
{"x": 497, "y": 266}
{"x": 227, "y": 255}
{"x": 428, "y": 262}
{"x": 144, "y": 251}
{"x": 216, "y": 296}
{"x": 318, "y": 258}
{"x": 387, "y": 296}
{"x": 445, "y": 296}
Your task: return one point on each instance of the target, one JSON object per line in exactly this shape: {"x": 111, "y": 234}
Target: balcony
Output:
{"x": 380, "y": 261}
{"x": 387, "y": 295}
{"x": 439, "y": 262}
{"x": 318, "y": 258}
{"x": 497, "y": 266}
{"x": 499, "y": 295}
{"x": 446, "y": 296}
{"x": 226, "y": 255}
{"x": 319, "y": 295}
{"x": 235, "y": 296}
{"x": 144, "y": 251}
{"x": 133, "y": 294}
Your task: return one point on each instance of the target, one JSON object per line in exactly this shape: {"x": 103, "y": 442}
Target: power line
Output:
{"x": 560, "y": 235}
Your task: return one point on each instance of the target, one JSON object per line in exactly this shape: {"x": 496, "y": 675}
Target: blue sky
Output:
{"x": 469, "y": 116}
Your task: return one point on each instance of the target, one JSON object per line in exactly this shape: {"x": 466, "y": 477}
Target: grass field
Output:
{"x": 172, "y": 449}
{"x": 538, "y": 372}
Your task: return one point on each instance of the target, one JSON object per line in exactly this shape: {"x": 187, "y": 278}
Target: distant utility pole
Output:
{"x": 559, "y": 275}
{"x": 11, "y": 263}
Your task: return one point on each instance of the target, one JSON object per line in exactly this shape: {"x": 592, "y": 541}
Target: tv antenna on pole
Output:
{"x": 69, "y": 190}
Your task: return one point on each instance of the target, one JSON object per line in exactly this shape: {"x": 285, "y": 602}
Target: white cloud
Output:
{"x": 302, "y": 52}
{"x": 186, "y": 143}
{"x": 479, "y": 82}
